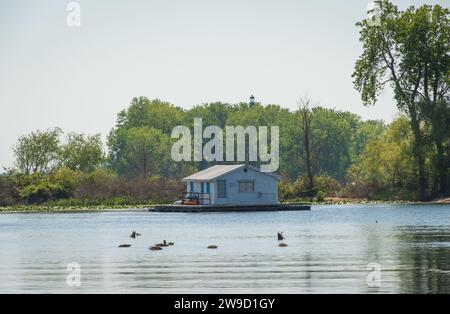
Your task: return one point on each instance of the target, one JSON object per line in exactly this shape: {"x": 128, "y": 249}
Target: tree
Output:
{"x": 8, "y": 194}
{"x": 140, "y": 152}
{"x": 427, "y": 45}
{"x": 38, "y": 151}
{"x": 410, "y": 52}
{"x": 386, "y": 164}
{"x": 147, "y": 113}
{"x": 82, "y": 152}
{"x": 138, "y": 145}
{"x": 306, "y": 117}
{"x": 365, "y": 132}
{"x": 332, "y": 136}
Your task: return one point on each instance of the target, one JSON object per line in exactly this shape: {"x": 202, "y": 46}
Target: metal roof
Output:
{"x": 217, "y": 171}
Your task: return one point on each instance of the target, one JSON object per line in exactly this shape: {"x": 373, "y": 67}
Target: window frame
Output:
{"x": 246, "y": 184}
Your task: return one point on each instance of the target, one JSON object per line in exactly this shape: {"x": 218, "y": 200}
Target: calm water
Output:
{"x": 329, "y": 250}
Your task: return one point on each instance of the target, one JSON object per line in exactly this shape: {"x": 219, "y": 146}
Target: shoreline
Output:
{"x": 144, "y": 207}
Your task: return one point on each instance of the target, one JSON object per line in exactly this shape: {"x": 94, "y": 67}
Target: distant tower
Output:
{"x": 252, "y": 101}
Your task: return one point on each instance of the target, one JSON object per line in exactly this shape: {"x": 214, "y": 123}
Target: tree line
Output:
{"x": 323, "y": 151}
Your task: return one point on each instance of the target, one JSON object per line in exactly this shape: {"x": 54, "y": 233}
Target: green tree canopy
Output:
{"x": 82, "y": 152}
{"x": 410, "y": 51}
{"x": 38, "y": 151}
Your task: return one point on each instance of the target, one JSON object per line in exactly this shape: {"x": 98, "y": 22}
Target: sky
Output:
{"x": 185, "y": 52}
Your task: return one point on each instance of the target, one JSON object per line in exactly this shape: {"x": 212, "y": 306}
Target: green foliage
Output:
{"x": 41, "y": 192}
{"x": 82, "y": 152}
{"x": 68, "y": 179}
{"x": 8, "y": 194}
{"x": 409, "y": 50}
{"x": 139, "y": 145}
{"x": 323, "y": 183}
{"x": 386, "y": 163}
{"x": 38, "y": 151}
{"x": 326, "y": 184}
{"x": 140, "y": 152}
{"x": 285, "y": 190}
{"x": 320, "y": 196}
{"x": 153, "y": 114}
{"x": 348, "y": 156}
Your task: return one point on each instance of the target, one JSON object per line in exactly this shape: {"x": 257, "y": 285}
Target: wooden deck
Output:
{"x": 227, "y": 208}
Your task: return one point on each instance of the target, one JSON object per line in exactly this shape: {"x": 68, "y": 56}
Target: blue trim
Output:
{"x": 208, "y": 188}
{"x": 202, "y": 187}
{"x": 191, "y": 186}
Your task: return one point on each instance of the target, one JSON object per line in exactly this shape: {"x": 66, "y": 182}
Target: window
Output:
{"x": 191, "y": 186}
{"x": 208, "y": 188}
{"x": 221, "y": 188}
{"x": 246, "y": 186}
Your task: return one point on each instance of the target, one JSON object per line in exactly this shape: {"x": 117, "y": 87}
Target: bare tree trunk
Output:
{"x": 419, "y": 156}
{"x": 442, "y": 168}
{"x": 309, "y": 171}
{"x": 307, "y": 117}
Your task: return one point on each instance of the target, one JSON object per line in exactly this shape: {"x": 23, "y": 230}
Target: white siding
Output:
{"x": 266, "y": 188}
{"x": 213, "y": 193}
{"x": 265, "y": 192}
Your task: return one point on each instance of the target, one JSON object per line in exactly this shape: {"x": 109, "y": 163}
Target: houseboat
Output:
{"x": 230, "y": 188}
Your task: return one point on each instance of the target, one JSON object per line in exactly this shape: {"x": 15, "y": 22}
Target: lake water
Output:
{"x": 330, "y": 250}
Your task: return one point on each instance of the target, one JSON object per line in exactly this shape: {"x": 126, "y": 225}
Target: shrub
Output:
{"x": 8, "y": 195}
{"x": 41, "y": 192}
{"x": 320, "y": 196}
{"x": 285, "y": 190}
{"x": 326, "y": 184}
{"x": 67, "y": 179}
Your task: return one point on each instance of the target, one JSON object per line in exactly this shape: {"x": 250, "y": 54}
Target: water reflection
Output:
{"x": 329, "y": 250}
{"x": 425, "y": 259}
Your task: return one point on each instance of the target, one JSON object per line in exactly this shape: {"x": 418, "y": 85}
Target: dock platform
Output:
{"x": 227, "y": 208}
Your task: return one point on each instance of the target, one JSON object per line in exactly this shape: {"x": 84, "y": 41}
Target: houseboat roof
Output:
{"x": 214, "y": 172}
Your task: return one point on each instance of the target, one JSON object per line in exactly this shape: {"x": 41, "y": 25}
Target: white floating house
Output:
{"x": 233, "y": 185}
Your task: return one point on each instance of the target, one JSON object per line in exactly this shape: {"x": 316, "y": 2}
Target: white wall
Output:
{"x": 266, "y": 188}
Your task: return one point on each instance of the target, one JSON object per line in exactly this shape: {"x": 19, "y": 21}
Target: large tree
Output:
{"x": 409, "y": 50}
{"x": 38, "y": 151}
{"x": 140, "y": 152}
{"x": 82, "y": 152}
{"x": 307, "y": 116}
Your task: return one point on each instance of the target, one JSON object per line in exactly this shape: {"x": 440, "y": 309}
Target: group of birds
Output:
{"x": 156, "y": 247}
{"x": 160, "y": 246}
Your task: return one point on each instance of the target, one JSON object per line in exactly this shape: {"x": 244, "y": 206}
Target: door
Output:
{"x": 222, "y": 192}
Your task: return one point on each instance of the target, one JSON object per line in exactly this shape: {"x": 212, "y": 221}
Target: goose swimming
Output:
{"x": 280, "y": 236}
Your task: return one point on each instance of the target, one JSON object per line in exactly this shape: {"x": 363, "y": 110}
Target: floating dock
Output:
{"x": 227, "y": 208}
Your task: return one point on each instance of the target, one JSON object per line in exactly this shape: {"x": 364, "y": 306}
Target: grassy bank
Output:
{"x": 353, "y": 200}
{"x": 89, "y": 205}
{"x": 83, "y": 205}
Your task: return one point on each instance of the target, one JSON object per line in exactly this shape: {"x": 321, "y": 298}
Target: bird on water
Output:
{"x": 280, "y": 236}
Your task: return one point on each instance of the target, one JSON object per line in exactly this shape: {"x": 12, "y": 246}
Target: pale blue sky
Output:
{"x": 185, "y": 52}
